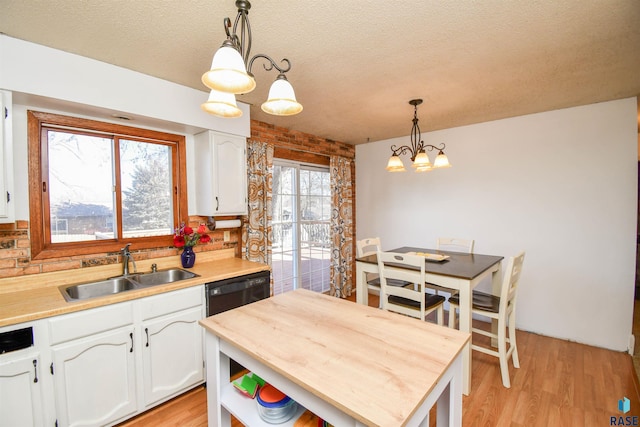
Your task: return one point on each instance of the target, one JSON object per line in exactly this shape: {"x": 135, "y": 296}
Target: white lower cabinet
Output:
{"x": 95, "y": 379}
{"x": 21, "y": 390}
{"x": 114, "y": 362}
{"x": 172, "y": 355}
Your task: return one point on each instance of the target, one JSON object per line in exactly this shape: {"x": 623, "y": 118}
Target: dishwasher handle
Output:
{"x": 229, "y": 288}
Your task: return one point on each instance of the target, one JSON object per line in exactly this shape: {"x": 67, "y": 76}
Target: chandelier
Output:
{"x": 418, "y": 150}
{"x": 230, "y": 73}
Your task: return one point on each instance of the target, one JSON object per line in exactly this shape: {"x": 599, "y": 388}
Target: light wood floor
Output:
{"x": 558, "y": 383}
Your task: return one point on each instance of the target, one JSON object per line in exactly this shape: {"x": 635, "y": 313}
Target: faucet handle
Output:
{"x": 126, "y": 248}
{"x": 154, "y": 268}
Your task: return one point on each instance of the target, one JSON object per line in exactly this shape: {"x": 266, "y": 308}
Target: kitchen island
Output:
{"x": 347, "y": 363}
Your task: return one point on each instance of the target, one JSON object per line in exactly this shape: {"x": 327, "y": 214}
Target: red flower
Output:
{"x": 178, "y": 241}
{"x": 185, "y": 236}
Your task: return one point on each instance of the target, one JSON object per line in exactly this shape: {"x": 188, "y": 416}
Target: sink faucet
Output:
{"x": 126, "y": 256}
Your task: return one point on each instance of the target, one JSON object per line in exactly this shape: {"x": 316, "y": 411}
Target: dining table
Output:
{"x": 457, "y": 271}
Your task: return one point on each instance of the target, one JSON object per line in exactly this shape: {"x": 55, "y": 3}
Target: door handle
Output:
{"x": 217, "y": 203}
{"x": 35, "y": 370}
{"x": 131, "y": 336}
{"x": 146, "y": 331}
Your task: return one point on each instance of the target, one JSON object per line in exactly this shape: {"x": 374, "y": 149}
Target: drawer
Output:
{"x": 170, "y": 302}
{"x": 89, "y": 322}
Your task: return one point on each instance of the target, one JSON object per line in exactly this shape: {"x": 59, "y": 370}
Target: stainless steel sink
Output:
{"x": 116, "y": 285}
{"x": 96, "y": 289}
{"x": 161, "y": 277}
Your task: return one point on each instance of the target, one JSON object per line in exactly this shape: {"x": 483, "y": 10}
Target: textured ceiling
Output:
{"x": 355, "y": 65}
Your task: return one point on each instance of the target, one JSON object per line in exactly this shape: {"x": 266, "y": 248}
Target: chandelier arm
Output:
{"x": 227, "y": 26}
{"x": 272, "y": 64}
{"x": 242, "y": 42}
{"x": 430, "y": 147}
{"x": 403, "y": 149}
{"x": 415, "y": 149}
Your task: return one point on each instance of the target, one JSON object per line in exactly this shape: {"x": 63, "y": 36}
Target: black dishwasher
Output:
{"x": 230, "y": 293}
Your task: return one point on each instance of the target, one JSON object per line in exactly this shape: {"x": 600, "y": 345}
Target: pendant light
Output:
{"x": 418, "y": 150}
{"x": 231, "y": 72}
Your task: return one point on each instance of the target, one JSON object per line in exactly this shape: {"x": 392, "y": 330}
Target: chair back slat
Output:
{"x": 453, "y": 244}
{"x": 367, "y": 246}
{"x": 393, "y": 265}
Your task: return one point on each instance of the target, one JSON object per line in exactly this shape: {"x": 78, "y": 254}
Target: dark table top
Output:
{"x": 464, "y": 266}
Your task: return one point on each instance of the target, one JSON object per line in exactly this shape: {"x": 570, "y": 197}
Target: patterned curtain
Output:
{"x": 257, "y": 230}
{"x": 341, "y": 227}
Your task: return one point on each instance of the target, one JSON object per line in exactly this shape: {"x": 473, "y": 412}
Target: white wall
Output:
{"x": 561, "y": 185}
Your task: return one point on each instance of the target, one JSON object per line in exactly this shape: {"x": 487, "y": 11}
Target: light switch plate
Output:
{"x": 227, "y": 236}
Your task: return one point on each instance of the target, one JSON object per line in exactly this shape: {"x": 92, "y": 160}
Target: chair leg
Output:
{"x": 440, "y": 315}
{"x": 452, "y": 316}
{"x": 502, "y": 354}
{"x": 512, "y": 340}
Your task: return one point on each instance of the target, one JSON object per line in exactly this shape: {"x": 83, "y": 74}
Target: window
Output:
{"x": 102, "y": 183}
{"x": 301, "y": 218}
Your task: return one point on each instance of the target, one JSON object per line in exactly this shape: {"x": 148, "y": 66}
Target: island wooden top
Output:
{"x": 461, "y": 265}
{"x": 374, "y": 365}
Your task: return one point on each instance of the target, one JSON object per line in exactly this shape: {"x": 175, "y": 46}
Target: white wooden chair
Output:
{"x": 453, "y": 244}
{"x": 410, "y": 300}
{"x": 371, "y": 246}
{"x": 502, "y": 309}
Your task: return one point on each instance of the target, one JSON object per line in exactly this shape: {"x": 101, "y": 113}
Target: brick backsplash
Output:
{"x": 15, "y": 256}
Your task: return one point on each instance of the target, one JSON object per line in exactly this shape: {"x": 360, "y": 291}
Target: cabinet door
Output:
{"x": 20, "y": 391}
{"x": 95, "y": 379}
{"x": 172, "y": 353}
{"x": 231, "y": 175}
{"x": 221, "y": 174}
{"x": 6, "y": 158}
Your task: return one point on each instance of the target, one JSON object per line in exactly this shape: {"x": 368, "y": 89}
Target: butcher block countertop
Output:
{"x": 37, "y": 296}
{"x": 373, "y": 365}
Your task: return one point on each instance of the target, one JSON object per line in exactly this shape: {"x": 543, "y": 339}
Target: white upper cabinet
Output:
{"x": 6, "y": 159}
{"x": 221, "y": 174}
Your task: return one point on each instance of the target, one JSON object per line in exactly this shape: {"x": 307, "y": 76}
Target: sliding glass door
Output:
{"x": 301, "y": 217}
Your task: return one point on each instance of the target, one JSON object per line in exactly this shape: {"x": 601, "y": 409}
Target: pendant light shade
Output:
{"x": 282, "y": 100}
{"x": 395, "y": 164}
{"x": 441, "y": 161}
{"x": 228, "y": 72}
{"x": 421, "y": 161}
{"x": 428, "y": 168}
{"x": 222, "y": 104}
